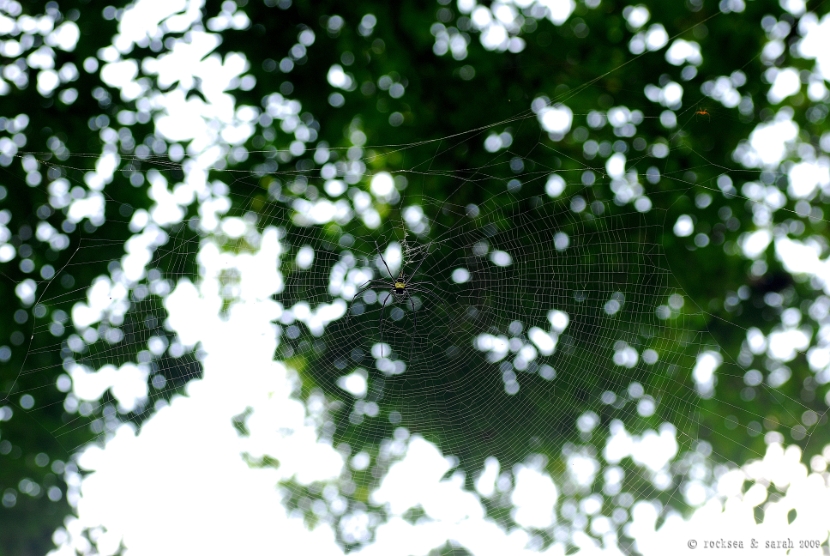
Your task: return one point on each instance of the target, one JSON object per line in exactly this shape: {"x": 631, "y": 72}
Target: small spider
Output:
{"x": 703, "y": 112}
{"x": 400, "y": 289}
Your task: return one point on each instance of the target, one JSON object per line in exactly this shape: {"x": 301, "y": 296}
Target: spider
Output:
{"x": 400, "y": 289}
{"x": 703, "y": 112}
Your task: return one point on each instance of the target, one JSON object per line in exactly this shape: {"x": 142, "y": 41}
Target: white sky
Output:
{"x": 182, "y": 487}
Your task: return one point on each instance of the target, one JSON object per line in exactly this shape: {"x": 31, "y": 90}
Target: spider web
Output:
{"x": 540, "y": 309}
{"x": 540, "y": 300}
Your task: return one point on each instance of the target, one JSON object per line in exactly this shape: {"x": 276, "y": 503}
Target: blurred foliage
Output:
{"x": 56, "y": 130}
{"x": 447, "y": 110}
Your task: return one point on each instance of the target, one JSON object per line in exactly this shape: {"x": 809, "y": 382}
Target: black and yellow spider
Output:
{"x": 400, "y": 289}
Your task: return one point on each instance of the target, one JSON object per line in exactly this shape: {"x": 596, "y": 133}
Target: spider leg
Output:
{"x": 414, "y": 327}
{"x": 381, "y": 322}
{"x": 362, "y": 289}
{"x": 427, "y": 294}
{"x": 384, "y": 261}
{"x": 419, "y": 290}
{"x": 425, "y": 303}
{"x": 367, "y": 285}
{"x": 420, "y": 286}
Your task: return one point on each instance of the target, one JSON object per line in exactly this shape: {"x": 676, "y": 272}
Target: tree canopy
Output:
{"x": 614, "y": 210}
